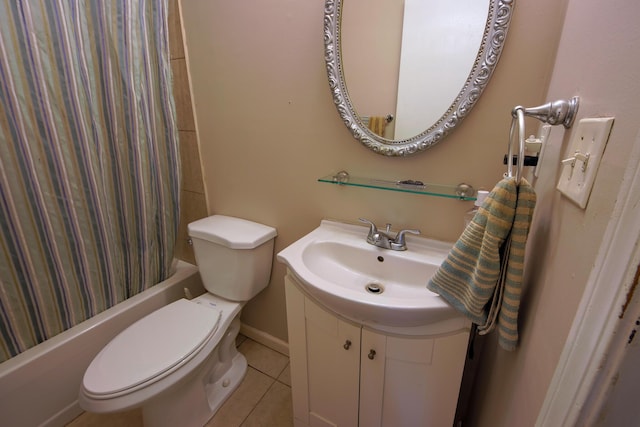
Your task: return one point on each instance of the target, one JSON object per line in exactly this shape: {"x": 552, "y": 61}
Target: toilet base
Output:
{"x": 197, "y": 400}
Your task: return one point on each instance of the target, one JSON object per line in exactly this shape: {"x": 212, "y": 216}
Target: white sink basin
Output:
{"x": 336, "y": 266}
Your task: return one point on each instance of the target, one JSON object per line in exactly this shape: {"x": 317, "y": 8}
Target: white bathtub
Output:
{"x": 39, "y": 387}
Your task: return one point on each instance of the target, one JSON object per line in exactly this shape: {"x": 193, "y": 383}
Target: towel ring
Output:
{"x": 560, "y": 112}
{"x": 518, "y": 118}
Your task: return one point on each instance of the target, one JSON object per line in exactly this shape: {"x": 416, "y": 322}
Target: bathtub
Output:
{"x": 39, "y": 387}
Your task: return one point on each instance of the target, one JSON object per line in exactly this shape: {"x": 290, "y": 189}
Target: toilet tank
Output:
{"x": 234, "y": 255}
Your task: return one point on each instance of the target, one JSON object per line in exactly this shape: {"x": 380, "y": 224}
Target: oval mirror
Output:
{"x": 414, "y": 68}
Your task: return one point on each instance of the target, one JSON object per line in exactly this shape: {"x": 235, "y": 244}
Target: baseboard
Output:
{"x": 265, "y": 339}
{"x": 65, "y": 416}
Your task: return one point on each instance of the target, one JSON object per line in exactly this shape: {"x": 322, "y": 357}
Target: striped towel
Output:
{"x": 377, "y": 125}
{"x": 482, "y": 275}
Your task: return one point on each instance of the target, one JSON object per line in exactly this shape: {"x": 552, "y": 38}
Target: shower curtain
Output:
{"x": 89, "y": 168}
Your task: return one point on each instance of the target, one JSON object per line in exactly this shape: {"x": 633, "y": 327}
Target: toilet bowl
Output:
{"x": 180, "y": 363}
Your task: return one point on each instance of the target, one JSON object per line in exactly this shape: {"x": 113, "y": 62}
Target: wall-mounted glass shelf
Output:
{"x": 460, "y": 192}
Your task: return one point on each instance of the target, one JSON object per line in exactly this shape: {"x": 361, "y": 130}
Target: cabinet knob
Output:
{"x": 347, "y": 344}
{"x": 372, "y": 354}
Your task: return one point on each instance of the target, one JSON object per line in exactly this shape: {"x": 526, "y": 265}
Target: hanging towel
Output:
{"x": 496, "y": 299}
{"x": 377, "y": 125}
{"x": 482, "y": 275}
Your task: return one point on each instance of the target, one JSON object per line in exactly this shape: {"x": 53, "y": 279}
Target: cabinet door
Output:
{"x": 324, "y": 364}
{"x": 372, "y": 378}
{"x": 410, "y": 381}
{"x": 333, "y": 354}
{"x": 297, "y": 353}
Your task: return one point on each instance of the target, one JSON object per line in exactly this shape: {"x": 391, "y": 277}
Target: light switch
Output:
{"x": 581, "y": 165}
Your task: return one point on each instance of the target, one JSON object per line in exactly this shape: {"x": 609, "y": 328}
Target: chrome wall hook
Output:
{"x": 560, "y": 112}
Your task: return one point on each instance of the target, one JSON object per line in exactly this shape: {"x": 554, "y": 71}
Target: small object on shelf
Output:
{"x": 468, "y": 216}
{"x": 410, "y": 183}
{"x": 533, "y": 144}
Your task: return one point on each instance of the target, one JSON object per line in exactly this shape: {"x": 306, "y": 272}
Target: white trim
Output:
{"x": 593, "y": 331}
{"x": 612, "y": 375}
{"x": 265, "y": 339}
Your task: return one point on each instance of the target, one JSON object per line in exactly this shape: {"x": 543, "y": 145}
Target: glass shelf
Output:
{"x": 460, "y": 192}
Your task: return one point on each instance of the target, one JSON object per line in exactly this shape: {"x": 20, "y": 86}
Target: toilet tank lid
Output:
{"x": 235, "y": 233}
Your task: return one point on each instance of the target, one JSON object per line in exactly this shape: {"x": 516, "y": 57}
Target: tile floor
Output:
{"x": 263, "y": 399}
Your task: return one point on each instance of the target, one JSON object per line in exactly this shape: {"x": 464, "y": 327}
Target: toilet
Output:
{"x": 180, "y": 363}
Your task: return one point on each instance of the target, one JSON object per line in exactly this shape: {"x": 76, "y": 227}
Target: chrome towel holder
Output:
{"x": 561, "y": 112}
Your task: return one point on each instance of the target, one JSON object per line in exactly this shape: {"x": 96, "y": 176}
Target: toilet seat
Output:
{"x": 151, "y": 348}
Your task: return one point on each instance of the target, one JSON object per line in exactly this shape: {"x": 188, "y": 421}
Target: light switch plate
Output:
{"x": 581, "y": 165}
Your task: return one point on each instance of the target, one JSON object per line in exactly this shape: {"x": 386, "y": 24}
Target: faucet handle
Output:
{"x": 375, "y": 237}
{"x": 372, "y": 227}
{"x": 399, "y": 243}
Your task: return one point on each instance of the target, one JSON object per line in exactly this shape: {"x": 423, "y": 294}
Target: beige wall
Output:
{"x": 598, "y": 60}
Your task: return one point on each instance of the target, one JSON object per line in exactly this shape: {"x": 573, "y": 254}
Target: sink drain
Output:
{"x": 374, "y": 288}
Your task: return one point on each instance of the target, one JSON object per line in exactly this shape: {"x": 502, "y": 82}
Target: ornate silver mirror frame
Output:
{"x": 493, "y": 39}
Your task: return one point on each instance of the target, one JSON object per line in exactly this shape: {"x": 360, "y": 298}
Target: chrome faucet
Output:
{"x": 384, "y": 239}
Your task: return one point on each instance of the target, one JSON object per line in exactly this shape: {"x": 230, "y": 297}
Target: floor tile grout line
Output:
{"x": 267, "y": 374}
{"x": 258, "y": 402}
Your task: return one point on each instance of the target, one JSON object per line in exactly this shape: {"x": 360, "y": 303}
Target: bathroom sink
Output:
{"x": 378, "y": 287}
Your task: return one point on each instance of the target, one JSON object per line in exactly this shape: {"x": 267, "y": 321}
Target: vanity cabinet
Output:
{"x": 345, "y": 374}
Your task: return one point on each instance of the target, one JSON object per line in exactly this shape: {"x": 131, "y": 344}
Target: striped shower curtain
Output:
{"x": 89, "y": 164}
